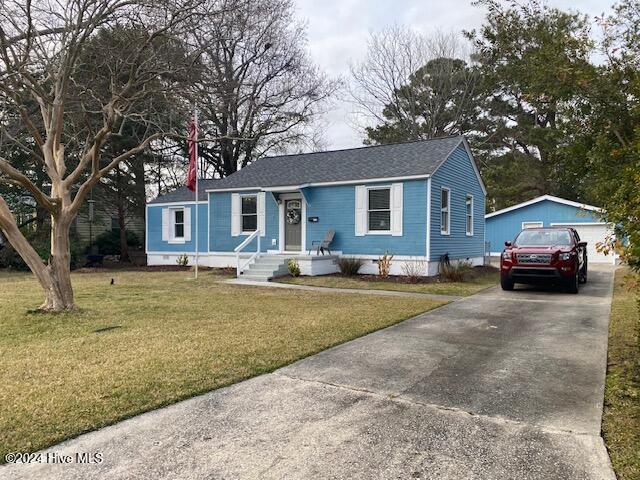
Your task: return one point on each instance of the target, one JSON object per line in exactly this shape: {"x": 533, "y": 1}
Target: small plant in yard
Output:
{"x": 294, "y": 267}
{"x": 183, "y": 260}
{"x": 384, "y": 265}
{"x": 457, "y": 272}
{"x": 414, "y": 270}
{"x": 350, "y": 266}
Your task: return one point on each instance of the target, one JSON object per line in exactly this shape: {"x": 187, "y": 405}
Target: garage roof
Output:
{"x": 541, "y": 198}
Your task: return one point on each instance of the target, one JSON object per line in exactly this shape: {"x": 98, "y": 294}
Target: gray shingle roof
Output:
{"x": 380, "y": 161}
{"x": 183, "y": 194}
{"x": 421, "y": 157}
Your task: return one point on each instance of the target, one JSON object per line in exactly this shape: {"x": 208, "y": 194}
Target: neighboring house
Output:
{"x": 549, "y": 211}
{"x": 417, "y": 201}
{"x": 105, "y": 219}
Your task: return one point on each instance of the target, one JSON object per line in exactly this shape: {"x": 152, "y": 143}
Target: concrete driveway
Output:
{"x": 498, "y": 385}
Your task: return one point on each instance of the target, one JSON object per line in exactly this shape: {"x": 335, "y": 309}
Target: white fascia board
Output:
{"x": 475, "y": 165}
{"x": 578, "y": 224}
{"x": 542, "y": 198}
{"x": 202, "y": 254}
{"x": 464, "y": 142}
{"x": 289, "y": 188}
{"x": 238, "y": 189}
{"x": 167, "y": 204}
{"x": 324, "y": 184}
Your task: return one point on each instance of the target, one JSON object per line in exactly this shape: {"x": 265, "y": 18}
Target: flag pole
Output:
{"x": 195, "y": 119}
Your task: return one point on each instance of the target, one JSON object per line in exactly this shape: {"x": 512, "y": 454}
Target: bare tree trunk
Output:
{"x": 58, "y": 292}
{"x": 54, "y": 277}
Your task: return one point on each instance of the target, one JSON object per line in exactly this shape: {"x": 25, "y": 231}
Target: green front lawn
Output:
{"x": 154, "y": 338}
{"x": 621, "y": 419}
{"x": 462, "y": 289}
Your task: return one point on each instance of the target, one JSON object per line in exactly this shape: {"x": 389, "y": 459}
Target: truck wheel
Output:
{"x": 572, "y": 284}
{"x": 583, "y": 273}
{"x": 506, "y": 283}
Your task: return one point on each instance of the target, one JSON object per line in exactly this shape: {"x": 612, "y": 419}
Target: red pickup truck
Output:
{"x": 544, "y": 255}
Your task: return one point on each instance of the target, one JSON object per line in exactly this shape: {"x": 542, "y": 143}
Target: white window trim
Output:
{"x": 539, "y": 224}
{"x": 172, "y": 225}
{"x": 468, "y": 199}
{"x": 446, "y": 231}
{"x": 250, "y": 232}
{"x": 379, "y": 232}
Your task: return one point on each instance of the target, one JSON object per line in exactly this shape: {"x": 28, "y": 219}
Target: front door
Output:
{"x": 293, "y": 225}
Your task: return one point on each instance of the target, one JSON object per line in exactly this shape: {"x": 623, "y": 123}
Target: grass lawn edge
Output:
{"x": 621, "y": 409}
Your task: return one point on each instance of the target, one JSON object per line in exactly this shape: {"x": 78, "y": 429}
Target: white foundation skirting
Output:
{"x": 311, "y": 265}
{"x": 400, "y": 265}
{"x": 318, "y": 265}
{"x": 204, "y": 259}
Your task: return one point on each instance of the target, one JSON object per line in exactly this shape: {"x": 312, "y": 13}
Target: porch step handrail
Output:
{"x": 239, "y": 248}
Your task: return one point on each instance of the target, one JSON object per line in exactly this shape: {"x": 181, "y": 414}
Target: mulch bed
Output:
{"x": 474, "y": 273}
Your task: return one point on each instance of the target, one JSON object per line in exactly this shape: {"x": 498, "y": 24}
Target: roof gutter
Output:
{"x": 287, "y": 188}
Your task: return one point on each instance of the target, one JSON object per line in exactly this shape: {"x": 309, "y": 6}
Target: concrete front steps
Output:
{"x": 265, "y": 268}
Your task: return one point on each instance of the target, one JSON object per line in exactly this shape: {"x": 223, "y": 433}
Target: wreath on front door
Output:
{"x": 293, "y": 216}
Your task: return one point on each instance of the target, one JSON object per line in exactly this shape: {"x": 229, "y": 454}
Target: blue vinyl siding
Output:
{"x": 335, "y": 208}
{"x": 154, "y": 230}
{"x": 506, "y": 226}
{"x": 221, "y": 239}
{"x": 457, "y": 174}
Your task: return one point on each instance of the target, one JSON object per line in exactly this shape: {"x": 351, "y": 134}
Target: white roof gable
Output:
{"x": 542, "y": 198}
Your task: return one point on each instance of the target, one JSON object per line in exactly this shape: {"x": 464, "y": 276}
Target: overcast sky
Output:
{"x": 338, "y": 31}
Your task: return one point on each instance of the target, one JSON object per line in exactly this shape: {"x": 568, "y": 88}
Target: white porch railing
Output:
{"x": 240, "y": 268}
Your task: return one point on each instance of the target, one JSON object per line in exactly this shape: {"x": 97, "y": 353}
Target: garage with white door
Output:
{"x": 548, "y": 211}
{"x": 592, "y": 233}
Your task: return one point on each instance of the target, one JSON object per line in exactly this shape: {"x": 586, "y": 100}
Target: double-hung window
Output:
{"x": 445, "y": 211}
{"x": 379, "y": 209}
{"x": 469, "y": 215}
{"x": 178, "y": 224}
{"x": 249, "y": 213}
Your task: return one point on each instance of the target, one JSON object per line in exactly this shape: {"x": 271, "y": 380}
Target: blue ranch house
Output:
{"x": 417, "y": 201}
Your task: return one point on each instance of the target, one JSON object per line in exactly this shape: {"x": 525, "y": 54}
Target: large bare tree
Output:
{"x": 48, "y": 112}
{"x": 413, "y": 86}
{"x": 257, "y": 89}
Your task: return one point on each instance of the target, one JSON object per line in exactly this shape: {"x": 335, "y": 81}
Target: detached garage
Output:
{"x": 548, "y": 211}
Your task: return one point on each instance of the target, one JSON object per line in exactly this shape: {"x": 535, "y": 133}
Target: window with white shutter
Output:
{"x": 445, "y": 211}
{"x": 166, "y": 224}
{"x": 361, "y": 210}
{"x": 469, "y": 215}
{"x": 236, "y": 217}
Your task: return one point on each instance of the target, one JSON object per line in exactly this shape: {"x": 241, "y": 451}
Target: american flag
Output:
{"x": 192, "y": 144}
